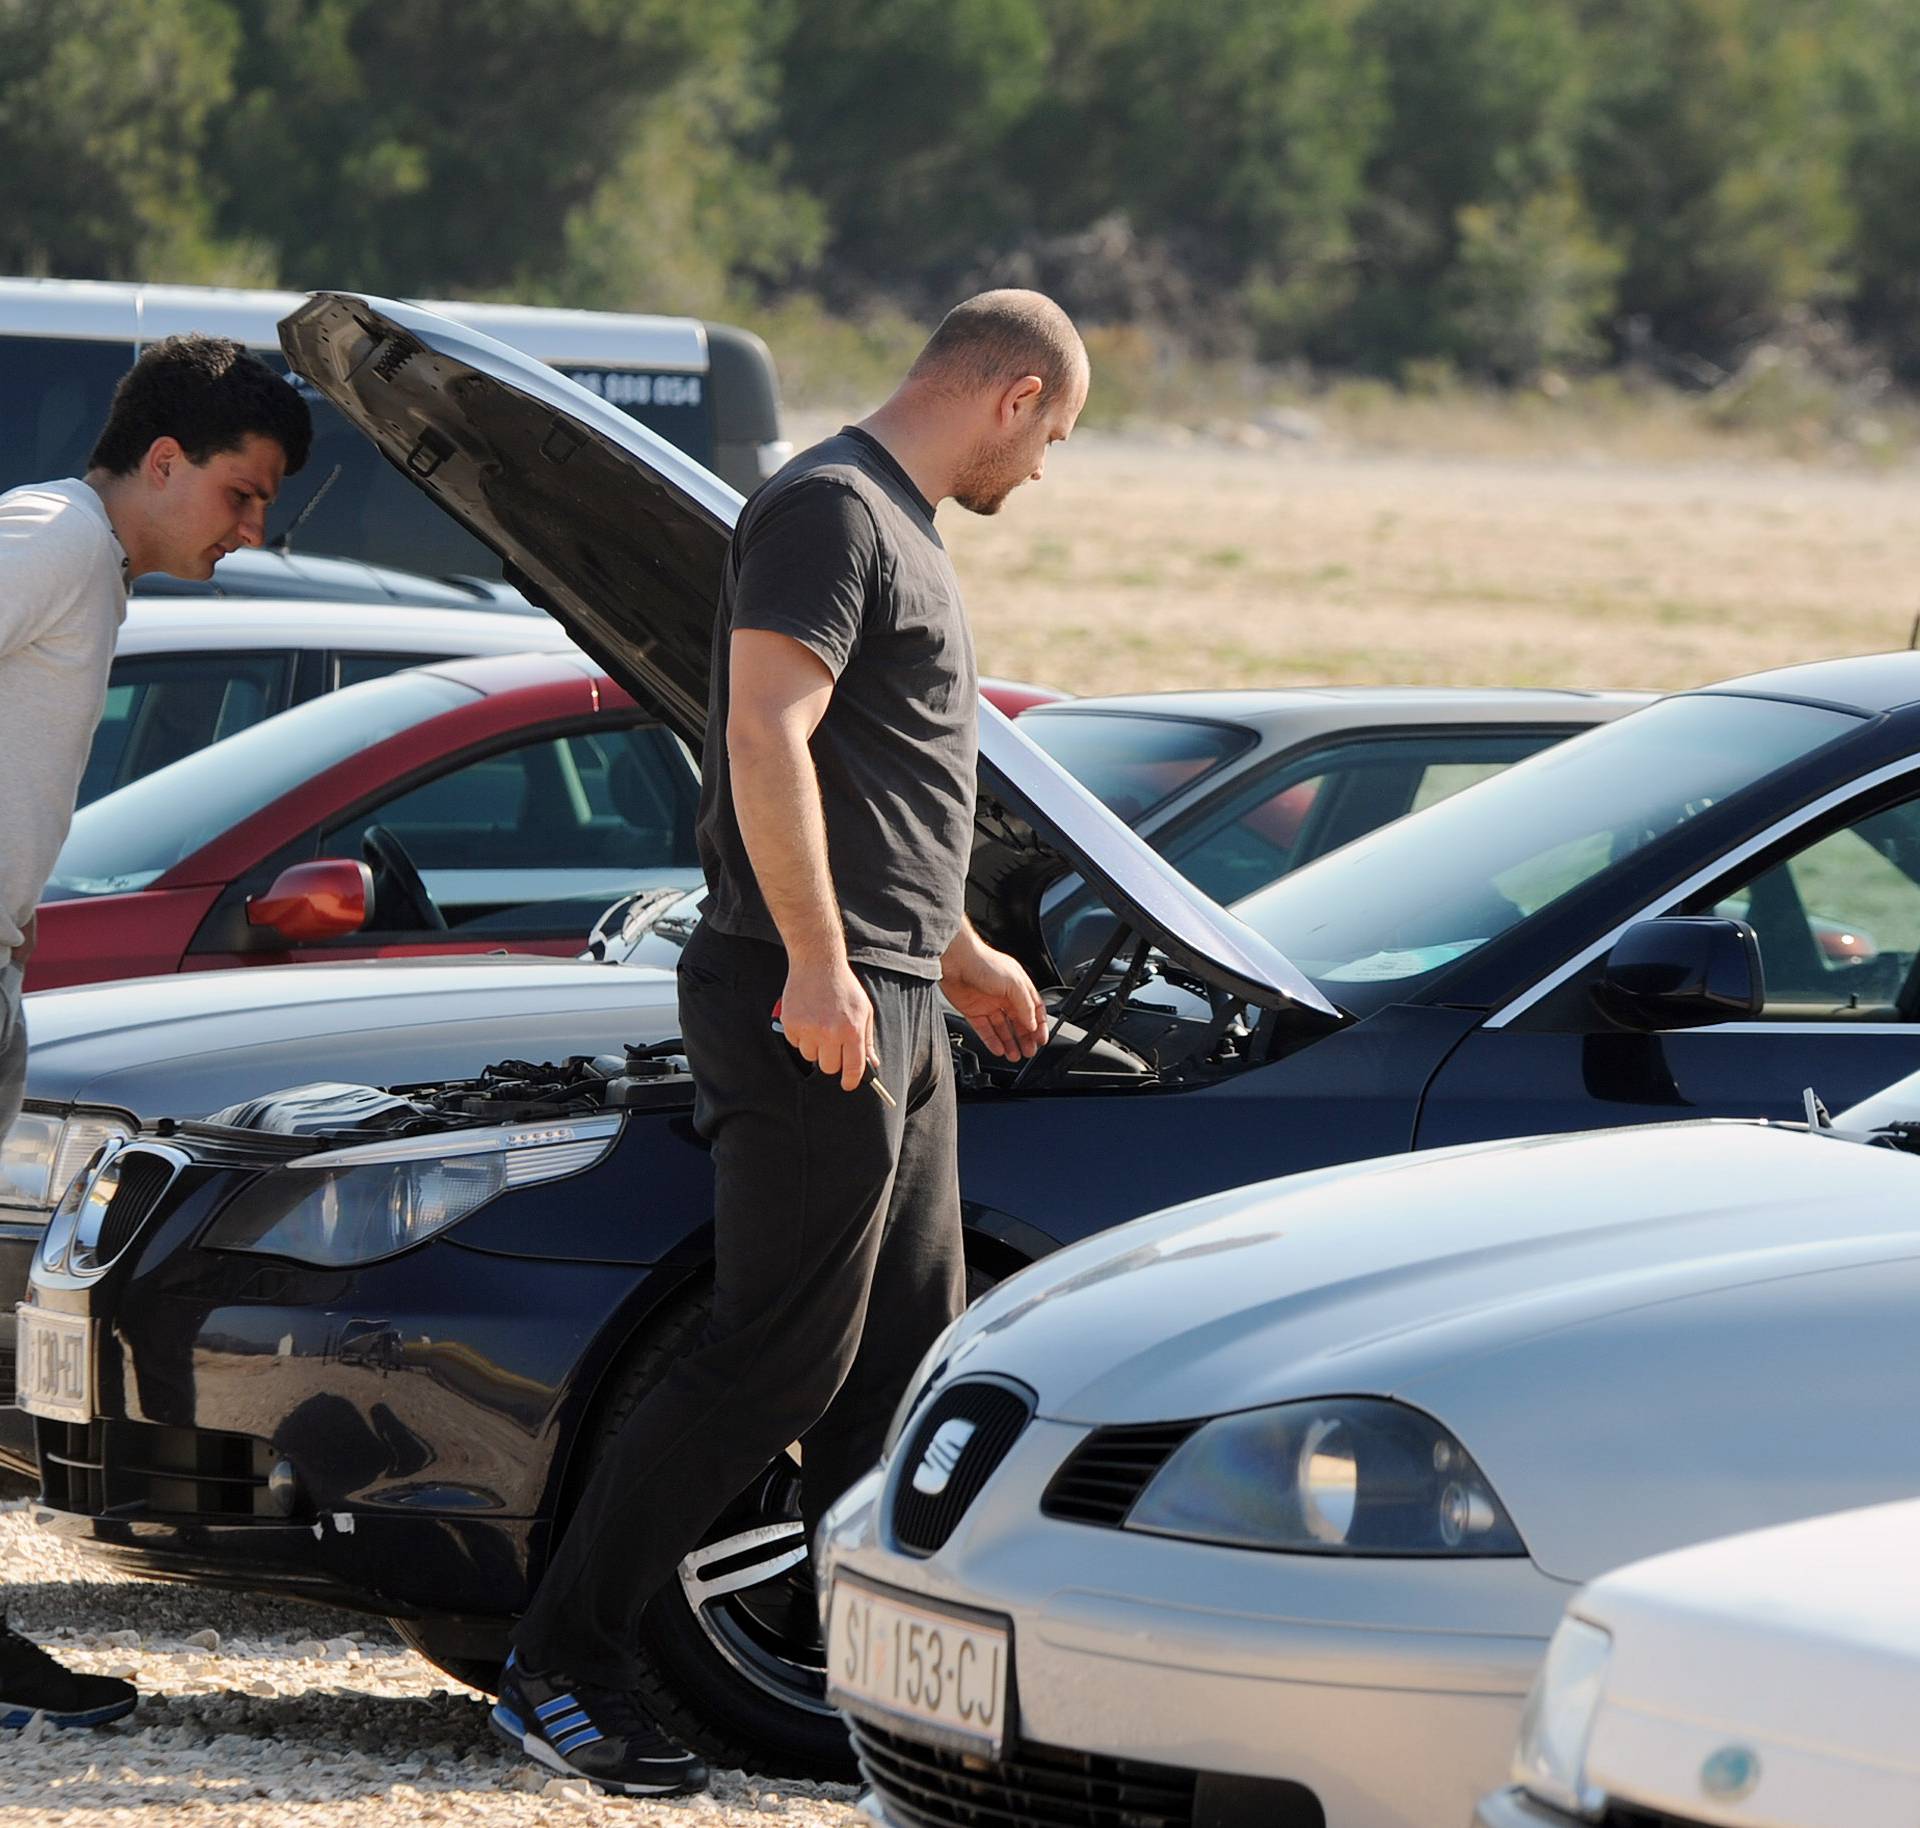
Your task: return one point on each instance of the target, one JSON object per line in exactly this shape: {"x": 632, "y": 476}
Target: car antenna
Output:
{"x": 283, "y": 541}
{"x": 1913, "y": 634}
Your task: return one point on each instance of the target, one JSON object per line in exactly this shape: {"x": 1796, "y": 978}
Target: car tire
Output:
{"x": 739, "y": 1679}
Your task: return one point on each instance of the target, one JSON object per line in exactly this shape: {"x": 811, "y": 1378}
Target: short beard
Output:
{"x": 983, "y": 485}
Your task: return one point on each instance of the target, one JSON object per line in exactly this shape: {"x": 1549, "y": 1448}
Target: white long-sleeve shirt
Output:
{"x": 63, "y": 596}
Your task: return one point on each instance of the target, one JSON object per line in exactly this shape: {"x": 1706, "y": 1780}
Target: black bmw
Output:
{"x": 364, "y": 1345}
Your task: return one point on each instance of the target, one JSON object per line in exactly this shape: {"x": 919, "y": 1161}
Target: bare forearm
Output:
{"x": 776, "y": 799}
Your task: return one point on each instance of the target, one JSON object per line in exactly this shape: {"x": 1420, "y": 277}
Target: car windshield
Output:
{"x": 1134, "y": 762}
{"x": 126, "y": 840}
{"x": 1392, "y": 909}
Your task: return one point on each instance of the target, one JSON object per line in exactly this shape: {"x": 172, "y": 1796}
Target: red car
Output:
{"x": 471, "y": 806}
{"x": 463, "y": 807}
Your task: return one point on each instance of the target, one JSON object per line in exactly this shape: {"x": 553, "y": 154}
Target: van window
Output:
{"x": 55, "y": 391}
{"x": 54, "y": 395}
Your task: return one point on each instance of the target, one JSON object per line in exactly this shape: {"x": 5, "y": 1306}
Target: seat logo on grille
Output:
{"x": 942, "y": 1456}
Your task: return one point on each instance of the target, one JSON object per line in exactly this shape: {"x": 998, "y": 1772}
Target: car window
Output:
{"x": 128, "y": 838}
{"x": 161, "y": 707}
{"x": 1135, "y": 763}
{"x": 1254, "y": 831}
{"x": 1839, "y": 922}
{"x": 1406, "y": 902}
{"x": 540, "y": 837}
{"x": 357, "y": 669}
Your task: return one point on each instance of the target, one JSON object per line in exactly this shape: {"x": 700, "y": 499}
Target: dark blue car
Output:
{"x": 364, "y": 1345}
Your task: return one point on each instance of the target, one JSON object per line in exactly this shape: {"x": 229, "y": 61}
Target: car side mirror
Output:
{"x": 322, "y": 900}
{"x": 1682, "y": 971}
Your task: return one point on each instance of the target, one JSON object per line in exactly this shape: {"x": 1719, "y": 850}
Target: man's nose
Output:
{"x": 253, "y": 527}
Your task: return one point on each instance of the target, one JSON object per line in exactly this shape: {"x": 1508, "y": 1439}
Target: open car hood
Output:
{"x": 623, "y": 538}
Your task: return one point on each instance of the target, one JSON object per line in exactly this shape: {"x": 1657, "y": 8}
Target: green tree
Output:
{"x": 1712, "y": 155}
{"x": 1234, "y": 132}
{"x": 1877, "y": 79}
{"x": 1473, "y": 242}
{"x": 104, "y": 108}
{"x": 447, "y": 145}
{"x": 894, "y": 114}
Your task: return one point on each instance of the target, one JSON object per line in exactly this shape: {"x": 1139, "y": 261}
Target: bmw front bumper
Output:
{"x": 1389, "y": 1689}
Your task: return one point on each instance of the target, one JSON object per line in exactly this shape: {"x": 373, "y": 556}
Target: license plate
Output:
{"x": 942, "y": 1675}
{"x": 53, "y": 1370}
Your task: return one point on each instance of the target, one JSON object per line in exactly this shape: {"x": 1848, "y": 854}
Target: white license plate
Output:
{"x": 53, "y": 1368}
{"x": 944, "y": 1676}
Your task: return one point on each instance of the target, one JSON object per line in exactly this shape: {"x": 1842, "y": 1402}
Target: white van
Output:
{"x": 708, "y": 388}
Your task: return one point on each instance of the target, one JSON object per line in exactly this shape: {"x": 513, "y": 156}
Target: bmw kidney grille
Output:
{"x": 108, "y": 1227}
{"x": 962, "y": 1437}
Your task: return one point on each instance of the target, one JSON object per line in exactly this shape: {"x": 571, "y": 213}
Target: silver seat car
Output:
{"x": 1263, "y": 1509}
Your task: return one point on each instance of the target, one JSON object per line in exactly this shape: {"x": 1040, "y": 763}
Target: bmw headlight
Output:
{"x": 1551, "y": 1760}
{"x": 357, "y": 1205}
{"x": 45, "y": 1150}
{"x": 1348, "y": 1476}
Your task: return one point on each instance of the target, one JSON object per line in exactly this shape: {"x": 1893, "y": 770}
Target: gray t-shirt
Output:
{"x": 839, "y": 551}
{"x": 63, "y": 596}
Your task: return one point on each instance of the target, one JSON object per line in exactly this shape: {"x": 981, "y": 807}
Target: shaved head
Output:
{"x": 996, "y": 338}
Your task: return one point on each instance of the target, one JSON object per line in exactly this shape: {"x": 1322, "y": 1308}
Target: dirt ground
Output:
{"x": 1147, "y": 562}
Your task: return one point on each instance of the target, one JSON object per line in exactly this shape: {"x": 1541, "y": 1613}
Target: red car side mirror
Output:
{"x": 322, "y": 900}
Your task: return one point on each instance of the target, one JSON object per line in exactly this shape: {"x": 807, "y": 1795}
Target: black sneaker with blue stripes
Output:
{"x": 600, "y": 1734}
{"x": 33, "y": 1686}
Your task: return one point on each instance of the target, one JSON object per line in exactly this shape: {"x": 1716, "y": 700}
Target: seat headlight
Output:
{"x": 1347, "y": 1476}
{"x": 1551, "y": 1760}
{"x": 45, "y": 1150}
{"x": 351, "y": 1206}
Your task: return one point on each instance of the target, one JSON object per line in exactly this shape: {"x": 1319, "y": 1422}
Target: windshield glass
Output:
{"x": 1134, "y": 763}
{"x": 1371, "y": 921}
{"x": 125, "y": 840}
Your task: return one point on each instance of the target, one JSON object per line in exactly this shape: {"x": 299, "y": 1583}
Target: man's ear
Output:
{"x": 1022, "y": 395}
{"x": 163, "y": 456}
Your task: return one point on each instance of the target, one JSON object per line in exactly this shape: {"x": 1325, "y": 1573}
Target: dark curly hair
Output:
{"x": 209, "y": 394}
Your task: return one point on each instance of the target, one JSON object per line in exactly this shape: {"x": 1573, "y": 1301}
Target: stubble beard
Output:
{"x": 984, "y": 484}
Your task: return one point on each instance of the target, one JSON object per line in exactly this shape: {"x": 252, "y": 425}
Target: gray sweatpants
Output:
{"x": 13, "y": 1046}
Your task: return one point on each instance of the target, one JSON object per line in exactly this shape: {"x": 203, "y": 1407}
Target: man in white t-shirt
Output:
{"x": 195, "y": 446}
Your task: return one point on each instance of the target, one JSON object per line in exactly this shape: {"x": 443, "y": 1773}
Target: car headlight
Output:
{"x": 357, "y": 1205}
{"x": 1551, "y": 1759}
{"x": 44, "y": 1152}
{"x": 1347, "y": 1476}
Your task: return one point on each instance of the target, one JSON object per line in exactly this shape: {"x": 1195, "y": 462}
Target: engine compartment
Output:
{"x": 1140, "y": 1027}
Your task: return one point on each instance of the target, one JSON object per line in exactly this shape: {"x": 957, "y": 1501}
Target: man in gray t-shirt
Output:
{"x": 198, "y": 438}
{"x": 836, "y": 821}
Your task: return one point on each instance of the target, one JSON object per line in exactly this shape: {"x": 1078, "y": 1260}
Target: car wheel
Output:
{"x": 730, "y": 1654}
{"x": 450, "y": 1647}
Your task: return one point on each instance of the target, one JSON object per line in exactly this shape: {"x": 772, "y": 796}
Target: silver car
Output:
{"x": 1264, "y": 1508}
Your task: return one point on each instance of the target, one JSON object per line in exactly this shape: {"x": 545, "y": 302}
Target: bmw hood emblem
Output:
{"x": 1731, "y": 1773}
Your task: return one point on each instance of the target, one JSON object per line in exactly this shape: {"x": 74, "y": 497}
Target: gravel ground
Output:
{"x": 257, "y": 1712}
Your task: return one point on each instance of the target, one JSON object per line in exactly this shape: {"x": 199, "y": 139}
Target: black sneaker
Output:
{"x": 595, "y": 1733}
{"x": 31, "y": 1683}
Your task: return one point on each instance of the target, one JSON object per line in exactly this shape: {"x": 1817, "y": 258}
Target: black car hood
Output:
{"x": 622, "y": 537}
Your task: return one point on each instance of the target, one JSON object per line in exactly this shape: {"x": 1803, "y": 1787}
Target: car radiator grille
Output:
{"x": 1036, "y": 1786}
{"x": 137, "y": 1469}
{"x": 961, "y": 1439}
{"x": 1109, "y": 1470}
{"x": 144, "y": 1177}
